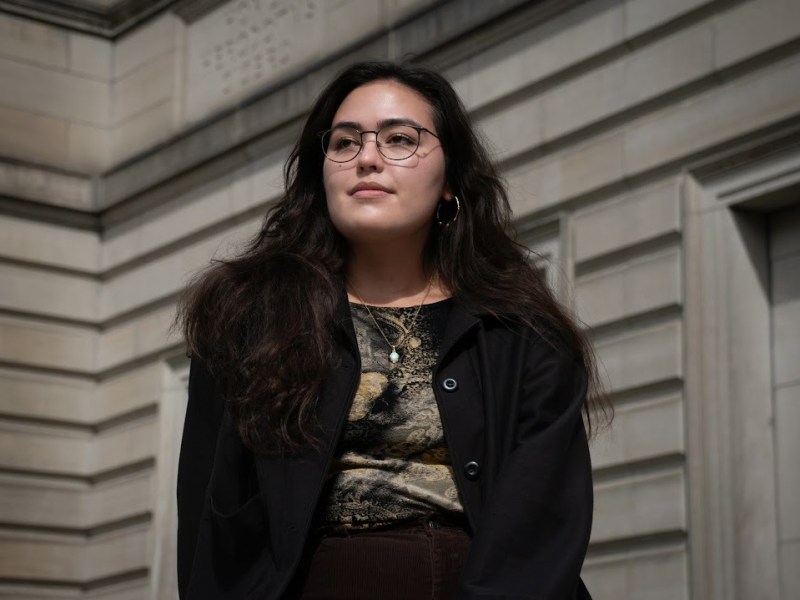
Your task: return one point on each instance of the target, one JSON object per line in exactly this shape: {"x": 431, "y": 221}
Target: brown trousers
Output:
{"x": 422, "y": 561}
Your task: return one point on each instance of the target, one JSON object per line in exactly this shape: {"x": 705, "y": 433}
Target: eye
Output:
{"x": 400, "y": 137}
{"x": 340, "y": 143}
{"x": 343, "y": 140}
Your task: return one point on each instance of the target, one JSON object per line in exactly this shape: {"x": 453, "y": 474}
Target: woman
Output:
{"x": 385, "y": 399}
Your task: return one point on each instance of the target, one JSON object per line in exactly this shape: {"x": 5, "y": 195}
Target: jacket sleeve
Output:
{"x": 198, "y": 446}
{"x": 536, "y": 523}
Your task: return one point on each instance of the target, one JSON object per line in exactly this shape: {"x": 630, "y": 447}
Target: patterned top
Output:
{"x": 392, "y": 463}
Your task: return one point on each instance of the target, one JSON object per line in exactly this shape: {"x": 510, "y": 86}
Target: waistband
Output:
{"x": 430, "y": 521}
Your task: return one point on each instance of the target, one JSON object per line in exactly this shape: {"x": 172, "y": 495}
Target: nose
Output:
{"x": 369, "y": 157}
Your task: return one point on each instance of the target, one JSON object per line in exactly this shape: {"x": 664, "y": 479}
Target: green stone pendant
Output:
{"x": 394, "y": 356}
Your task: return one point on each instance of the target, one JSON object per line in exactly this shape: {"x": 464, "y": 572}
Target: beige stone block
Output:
{"x": 118, "y": 553}
{"x": 555, "y": 179}
{"x": 124, "y": 445}
{"x": 53, "y": 93}
{"x": 46, "y": 244}
{"x": 647, "y": 73}
{"x": 74, "y": 507}
{"x": 48, "y": 293}
{"x": 787, "y": 451}
{"x": 41, "y": 560}
{"x": 155, "y": 333}
{"x": 132, "y": 390}
{"x": 42, "y": 449}
{"x": 141, "y": 337}
{"x": 45, "y": 396}
{"x": 119, "y": 247}
{"x": 786, "y": 319}
{"x": 118, "y": 499}
{"x": 790, "y": 574}
{"x": 545, "y": 251}
{"x": 753, "y": 27}
{"x": 34, "y": 42}
{"x": 135, "y": 590}
{"x": 515, "y": 129}
{"x": 641, "y": 505}
{"x": 627, "y": 220}
{"x": 584, "y": 100}
{"x": 142, "y": 44}
{"x": 90, "y": 56}
{"x": 197, "y": 210}
{"x": 785, "y": 233}
{"x": 142, "y": 131}
{"x": 352, "y": 20}
{"x": 662, "y": 66}
{"x": 396, "y": 10}
{"x": 640, "y": 285}
{"x": 87, "y": 148}
{"x": 263, "y": 185}
{"x": 641, "y": 431}
{"x": 74, "y": 561}
{"x": 642, "y": 16}
{"x": 148, "y": 283}
{"x": 46, "y": 186}
{"x": 729, "y": 111}
{"x": 660, "y": 574}
{"x": 39, "y": 590}
{"x": 116, "y": 345}
{"x": 63, "y": 347}
{"x": 147, "y": 85}
{"x": 31, "y": 137}
{"x": 235, "y": 52}
{"x": 161, "y": 277}
{"x": 642, "y": 357}
{"x": 540, "y": 52}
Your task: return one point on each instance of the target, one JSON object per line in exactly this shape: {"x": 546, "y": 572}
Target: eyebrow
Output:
{"x": 382, "y": 123}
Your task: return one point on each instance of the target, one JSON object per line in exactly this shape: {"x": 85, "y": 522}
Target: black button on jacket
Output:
{"x": 516, "y": 438}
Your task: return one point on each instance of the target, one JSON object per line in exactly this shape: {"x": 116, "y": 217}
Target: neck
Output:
{"x": 386, "y": 277}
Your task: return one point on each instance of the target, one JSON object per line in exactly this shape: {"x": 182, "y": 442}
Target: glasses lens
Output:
{"x": 341, "y": 144}
{"x": 397, "y": 142}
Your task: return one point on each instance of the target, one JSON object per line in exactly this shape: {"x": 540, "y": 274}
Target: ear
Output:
{"x": 447, "y": 194}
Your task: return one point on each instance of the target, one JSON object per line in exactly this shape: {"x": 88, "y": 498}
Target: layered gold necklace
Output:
{"x": 394, "y": 356}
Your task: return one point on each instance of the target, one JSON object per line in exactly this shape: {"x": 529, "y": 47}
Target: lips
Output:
{"x": 369, "y": 188}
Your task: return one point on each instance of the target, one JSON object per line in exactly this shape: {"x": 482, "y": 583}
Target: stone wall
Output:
{"x": 784, "y": 252}
{"x": 631, "y": 134}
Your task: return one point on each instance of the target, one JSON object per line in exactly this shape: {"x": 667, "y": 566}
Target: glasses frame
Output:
{"x": 419, "y": 129}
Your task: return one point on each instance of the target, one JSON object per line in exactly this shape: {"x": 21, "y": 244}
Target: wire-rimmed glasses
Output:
{"x": 394, "y": 141}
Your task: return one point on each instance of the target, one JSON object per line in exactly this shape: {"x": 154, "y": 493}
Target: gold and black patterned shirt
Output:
{"x": 392, "y": 463}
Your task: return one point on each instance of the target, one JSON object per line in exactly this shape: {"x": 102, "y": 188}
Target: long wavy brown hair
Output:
{"x": 264, "y": 321}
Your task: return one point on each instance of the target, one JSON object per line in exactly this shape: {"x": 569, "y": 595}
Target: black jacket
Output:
{"x": 511, "y": 410}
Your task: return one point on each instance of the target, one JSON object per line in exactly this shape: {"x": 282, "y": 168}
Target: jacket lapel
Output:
{"x": 460, "y": 321}
{"x": 291, "y": 484}
{"x": 462, "y": 408}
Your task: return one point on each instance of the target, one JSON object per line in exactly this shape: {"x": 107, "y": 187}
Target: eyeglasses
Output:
{"x": 395, "y": 142}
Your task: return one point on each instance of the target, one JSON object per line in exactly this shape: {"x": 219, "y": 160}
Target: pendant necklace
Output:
{"x": 394, "y": 356}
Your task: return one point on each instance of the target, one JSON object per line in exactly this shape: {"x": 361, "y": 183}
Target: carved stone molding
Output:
{"x": 105, "y": 18}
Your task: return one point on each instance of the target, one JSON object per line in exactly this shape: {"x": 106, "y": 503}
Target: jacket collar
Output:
{"x": 344, "y": 320}
{"x": 460, "y": 321}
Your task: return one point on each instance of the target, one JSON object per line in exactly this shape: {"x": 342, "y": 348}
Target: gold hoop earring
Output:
{"x": 455, "y": 216}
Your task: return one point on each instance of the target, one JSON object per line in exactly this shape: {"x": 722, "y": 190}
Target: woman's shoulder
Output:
{"x": 206, "y": 387}
{"x": 535, "y": 331}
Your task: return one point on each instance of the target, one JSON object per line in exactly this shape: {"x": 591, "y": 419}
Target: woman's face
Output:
{"x": 375, "y": 199}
